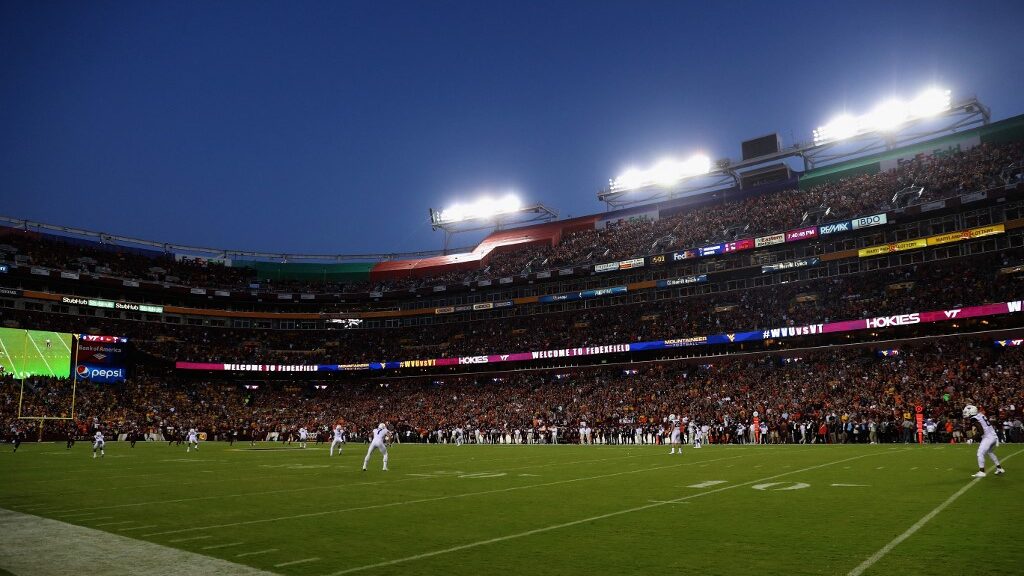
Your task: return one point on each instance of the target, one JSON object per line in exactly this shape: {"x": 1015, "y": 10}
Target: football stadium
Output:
{"x": 803, "y": 356}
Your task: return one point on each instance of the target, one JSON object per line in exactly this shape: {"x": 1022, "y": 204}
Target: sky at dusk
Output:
{"x": 332, "y": 127}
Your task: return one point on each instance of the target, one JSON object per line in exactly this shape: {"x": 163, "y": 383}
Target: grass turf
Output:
{"x": 24, "y": 353}
{"x": 538, "y": 509}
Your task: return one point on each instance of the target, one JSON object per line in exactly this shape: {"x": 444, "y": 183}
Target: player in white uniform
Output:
{"x": 303, "y": 435}
{"x": 193, "y": 440}
{"x": 989, "y": 440}
{"x": 675, "y": 434}
{"x": 377, "y": 443}
{"x": 339, "y": 439}
{"x": 457, "y": 433}
{"x": 98, "y": 444}
{"x": 694, "y": 432}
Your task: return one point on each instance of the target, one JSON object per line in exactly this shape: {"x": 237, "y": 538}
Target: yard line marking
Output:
{"x": 307, "y": 488}
{"x": 116, "y": 523}
{"x": 667, "y": 502}
{"x": 267, "y": 551}
{"x": 852, "y": 485}
{"x": 41, "y": 356}
{"x": 99, "y": 518}
{"x": 216, "y": 546}
{"x": 917, "y": 526}
{"x": 78, "y": 515}
{"x": 189, "y": 539}
{"x": 707, "y": 484}
{"x": 138, "y": 528}
{"x": 61, "y": 340}
{"x": 586, "y": 520}
{"x": 293, "y": 562}
{"x": 423, "y": 500}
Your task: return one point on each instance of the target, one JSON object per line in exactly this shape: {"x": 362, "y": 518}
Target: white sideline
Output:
{"x": 422, "y": 500}
{"x": 917, "y": 526}
{"x": 84, "y": 550}
{"x": 585, "y": 520}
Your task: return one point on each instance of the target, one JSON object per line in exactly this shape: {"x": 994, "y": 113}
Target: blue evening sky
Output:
{"x": 333, "y": 126}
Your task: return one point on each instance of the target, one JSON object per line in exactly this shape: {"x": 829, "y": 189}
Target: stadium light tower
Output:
{"x": 892, "y": 123}
{"x": 487, "y": 212}
{"x": 666, "y": 178}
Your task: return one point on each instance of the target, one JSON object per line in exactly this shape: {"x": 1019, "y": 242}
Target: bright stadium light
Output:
{"x": 666, "y": 172}
{"x": 931, "y": 102}
{"x": 484, "y": 207}
{"x": 886, "y": 116}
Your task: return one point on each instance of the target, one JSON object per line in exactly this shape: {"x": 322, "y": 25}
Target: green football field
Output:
{"x": 24, "y": 353}
{"x": 475, "y": 510}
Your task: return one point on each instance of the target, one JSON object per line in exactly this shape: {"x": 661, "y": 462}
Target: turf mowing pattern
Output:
{"x": 540, "y": 509}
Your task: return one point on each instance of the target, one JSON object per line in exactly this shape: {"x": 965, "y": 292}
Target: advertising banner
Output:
{"x": 682, "y": 281}
{"x": 102, "y": 359}
{"x": 802, "y": 234}
{"x": 683, "y": 255}
{"x": 801, "y": 263}
{"x": 623, "y": 265}
{"x": 869, "y": 221}
{"x": 875, "y": 323}
{"x": 894, "y": 247}
{"x": 770, "y": 240}
{"x": 745, "y": 244}
{"x": 572, "y": 296}
{"x": 966, "y": 234}
{"x": 835, "y": 227}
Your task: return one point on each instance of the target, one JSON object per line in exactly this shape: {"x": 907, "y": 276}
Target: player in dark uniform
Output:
{"x": 71, "y": 437}
{"x": 18, "y": 436}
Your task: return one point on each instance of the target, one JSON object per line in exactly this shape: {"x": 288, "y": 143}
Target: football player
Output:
{"x": 989, "y": 440}
{"x": 98, "y": 444}
{"x": 377, "y": 442}
{"x": 339, "y": 439}
{"x": 675, "y": 434}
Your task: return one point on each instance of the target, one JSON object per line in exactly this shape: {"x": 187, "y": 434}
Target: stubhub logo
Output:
{"x": 99, "y": 374}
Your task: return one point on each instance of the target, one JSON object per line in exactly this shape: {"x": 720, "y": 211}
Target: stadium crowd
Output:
{"x": 940, "y": 176}
{"x": 831, "y": 396}
{"x": 943, "y": 284}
